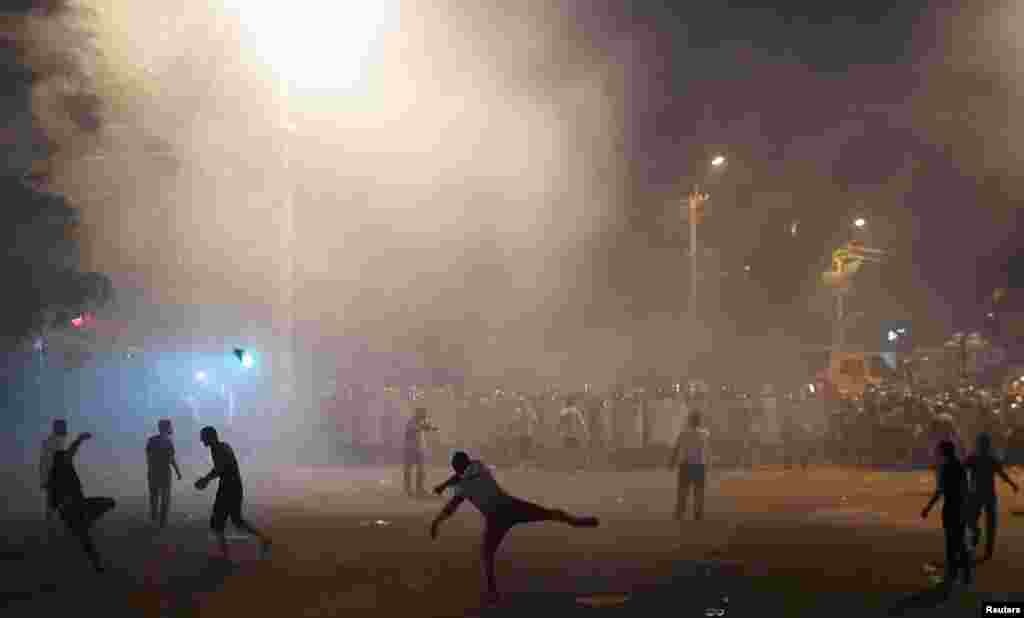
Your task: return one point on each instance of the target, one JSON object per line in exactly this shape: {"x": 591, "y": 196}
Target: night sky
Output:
{"x": 828, "y": 115}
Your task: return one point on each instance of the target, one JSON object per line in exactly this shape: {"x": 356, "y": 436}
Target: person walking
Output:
{"x": 691, "y": 458}
{"x": 984, "y": 467}
{"x": 952, "y": 488}
{"x": 160, "y": 460}
{"x": 228, "y": 502}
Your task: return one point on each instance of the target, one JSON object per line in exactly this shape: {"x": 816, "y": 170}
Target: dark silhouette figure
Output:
{"x": 66, "y": 497}
{"x": 691, "y": 457}
{"x": 228, "y": 502}
{"x": 159, "y": 461}
{"x": 53, "y": 443}
{"x": 953, "y": 489}
{"x": 473, "y": 481}
{"x": 984, "y": 466}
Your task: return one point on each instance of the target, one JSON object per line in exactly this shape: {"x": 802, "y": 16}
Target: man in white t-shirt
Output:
{"x": 572, "y": 427}
{"x": 473, "y": 481}
{"x": 526, "y": 421}
{"x": 691, "y": 457}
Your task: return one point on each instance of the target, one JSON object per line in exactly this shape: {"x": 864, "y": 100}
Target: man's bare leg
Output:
{"x": 248, "y": 528}
{"x": 682, "y": 493}
{"x": 421, "y": 478}
{"x": 222, "y": 542}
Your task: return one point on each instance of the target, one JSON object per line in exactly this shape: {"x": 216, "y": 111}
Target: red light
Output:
{"x": 78, "y": 322}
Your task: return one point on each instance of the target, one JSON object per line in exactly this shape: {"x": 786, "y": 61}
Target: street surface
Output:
{"x": 348, "y": 542}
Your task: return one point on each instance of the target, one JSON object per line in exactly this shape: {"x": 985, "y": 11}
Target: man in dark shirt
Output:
{"x": 65, "y": 495}
{"x": 984, "y": 466}
{"x": 160, "y": 459}
{"x": 228, "y": 502}
{"x": 952, "y": 488}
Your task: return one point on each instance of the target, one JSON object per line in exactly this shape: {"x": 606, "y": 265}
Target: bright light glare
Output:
{"x": 200, "y": 376}
{"x": 718, "y": 161}
{"x": 860, "y": 221}
{"x": 316, "y": 45}
{"x": 247, "y": 360}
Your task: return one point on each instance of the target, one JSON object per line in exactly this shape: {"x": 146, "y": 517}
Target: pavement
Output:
{"x": 348, "y": 542}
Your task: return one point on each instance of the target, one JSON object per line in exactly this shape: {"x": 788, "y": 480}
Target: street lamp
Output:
{"x": 326, "y": 50}
{"x": 860, "y": 223}
{"x": 695, "y": 204}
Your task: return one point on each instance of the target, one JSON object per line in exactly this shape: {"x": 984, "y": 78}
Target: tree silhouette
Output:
{"x": 45, "y": 287}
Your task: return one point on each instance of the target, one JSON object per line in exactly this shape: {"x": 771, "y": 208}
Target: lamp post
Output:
{"x": 859, "y": 224}
{"x": 325, "y": 54}
{"x": 695, "y": 202}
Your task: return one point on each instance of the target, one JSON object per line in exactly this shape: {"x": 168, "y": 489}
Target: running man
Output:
{"x": 228, "y": 503}
{"x": 952, "y": 488}
{"x": 53, "y": 443}
{"x": 66, "y": 497}
{"x": 691, "y": 458}
{"x": 984, "y": 466}
{"x": 159, "y": 461}
{"x": 473, "y": 481}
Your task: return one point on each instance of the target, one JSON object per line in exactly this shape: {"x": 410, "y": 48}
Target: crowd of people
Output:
{"x": 635, "y": 427}
{"x": 65, "y": 498}
{"x": 881, "y": 428}
{"x": 934, "y": 431}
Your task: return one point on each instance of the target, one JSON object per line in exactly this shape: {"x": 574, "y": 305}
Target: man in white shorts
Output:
{"x": 473, "y": 481}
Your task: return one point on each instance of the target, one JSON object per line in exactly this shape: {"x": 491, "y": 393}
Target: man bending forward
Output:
{"x": 473, "y": 481}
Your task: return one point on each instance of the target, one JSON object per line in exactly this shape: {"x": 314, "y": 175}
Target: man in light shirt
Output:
{"x": 53, "y": 443}
{"x": 473, "y": 481}
{"x": 526, "y": 424}
{"x": 160, "y": 460}
{"x": 415, "y": 451}
{"x": 572, "y": 426}
{"x": 691, "y": 457}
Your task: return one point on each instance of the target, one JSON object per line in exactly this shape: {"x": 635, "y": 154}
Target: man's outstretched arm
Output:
{"x": 446, "y": 512}
{"x": 452, "y": 480}
{"x": 1001, "y": 471}
{"x": 73, "y": 449}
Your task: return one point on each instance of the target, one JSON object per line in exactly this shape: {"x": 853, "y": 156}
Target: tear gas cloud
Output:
{"x": 452, "y": 169}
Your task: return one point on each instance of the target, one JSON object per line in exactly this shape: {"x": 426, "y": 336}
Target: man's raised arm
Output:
{"x": 73, "y": 449}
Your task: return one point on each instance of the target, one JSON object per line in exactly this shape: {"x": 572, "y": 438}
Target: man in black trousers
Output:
{"x": 65, "y": 495}
{"x": 953, "y": 489}
{"x": 228, "y": 503}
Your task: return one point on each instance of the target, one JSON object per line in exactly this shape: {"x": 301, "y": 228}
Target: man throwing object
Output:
{"x": 473, "y": 481}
